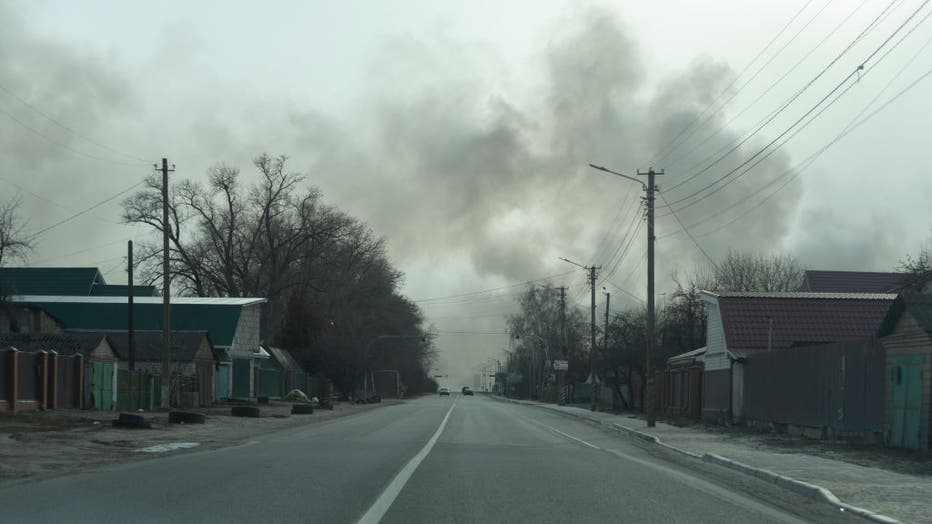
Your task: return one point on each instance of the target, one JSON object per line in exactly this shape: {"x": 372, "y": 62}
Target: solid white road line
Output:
{"x": 387, "y": 498}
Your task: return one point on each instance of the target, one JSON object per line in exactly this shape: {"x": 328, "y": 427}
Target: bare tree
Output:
{"x": 917, "y": 272}
{"x": 740, "y": 271}
{"x": 15, "y": 241}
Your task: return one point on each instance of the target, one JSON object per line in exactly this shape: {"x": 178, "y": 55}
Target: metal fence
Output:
{"x": 838, "y": 388}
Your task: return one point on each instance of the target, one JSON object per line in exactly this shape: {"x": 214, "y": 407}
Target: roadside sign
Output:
{"x": 561, "y": 365}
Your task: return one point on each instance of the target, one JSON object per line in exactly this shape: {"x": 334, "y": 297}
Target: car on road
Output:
{"x": 444, "y": 391}
{"x": 467, "y": 391}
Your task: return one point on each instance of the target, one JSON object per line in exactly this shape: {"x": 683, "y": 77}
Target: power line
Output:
{"x": 675, "y": 141}
{"x": 690, "y": 235}
{"x": 858, "y": 70}
{"x": 485, "y": 291}
{"x": 720, "y": 129}
{"x": 88, "y": 209}
{"x": 63, "y": 145}
{"x": 68, "y": 128}
{"x": 770, "y": 117}
{"x": 794, "y": 172}
{"x": 79, "y": 252}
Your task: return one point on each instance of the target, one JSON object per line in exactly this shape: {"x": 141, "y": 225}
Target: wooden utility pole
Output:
{"x": 650, "y": 188}
{"x": 166, "y": 292}
{"x": 130, "y": 334}
{"x": 593, "y": 390}
{"x": 608, "y": 298}
{"x": 561, "y": 399}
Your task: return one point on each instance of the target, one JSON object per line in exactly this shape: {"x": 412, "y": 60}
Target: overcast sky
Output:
{"x": 461, "y": 131}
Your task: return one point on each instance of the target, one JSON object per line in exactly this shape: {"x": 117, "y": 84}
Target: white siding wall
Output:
{"x": 716, "y": 354}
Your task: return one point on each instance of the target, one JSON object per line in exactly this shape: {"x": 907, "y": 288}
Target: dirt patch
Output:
{"x": 45, "y": 444}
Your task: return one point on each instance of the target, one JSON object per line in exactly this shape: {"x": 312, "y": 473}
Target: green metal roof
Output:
{"x": 218, "y": 319}
{"x": 71, "y": 281}
{"x": 112, "y": 290}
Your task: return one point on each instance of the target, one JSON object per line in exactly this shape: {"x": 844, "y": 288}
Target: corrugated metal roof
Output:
{"x": 685, "y": 358}
{"x": 76, "y": 281}
{"x": 108, "y": 290}
{"x": 61, "y": 343}
{"x": 184, "y": 344}
{"x": 220, "y": 301}
{"x": 852, "y": 281}
{"x": 284, "y": 358}
{"x": 803, "y": 294}
{"x": 799, "y": 318}
{"x": 218, "y": 316}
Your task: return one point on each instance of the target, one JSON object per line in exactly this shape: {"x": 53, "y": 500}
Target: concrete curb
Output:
{"x": 797, "y": 486}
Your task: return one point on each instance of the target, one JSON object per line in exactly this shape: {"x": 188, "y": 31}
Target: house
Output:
{"x": 851, "y": 282}
{"x": 192, "y": 358}
{"x": 741, "y": 325}
{"x": 65, "y": 281}
{"x": 97, "y": 380}
{"x": 232, "y": 324}
{"x": 906, "y": 334}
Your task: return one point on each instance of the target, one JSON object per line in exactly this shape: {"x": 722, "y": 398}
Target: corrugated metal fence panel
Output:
{"x": 4, "y": 374}
{"x": 835, "y": 386}
{"x": 133, "y": 390}
{"x": 66, "y": 386}
{"x": 270, "y": 382}
{"x": 28, "y": 386}
{"x": 300, "y": 382}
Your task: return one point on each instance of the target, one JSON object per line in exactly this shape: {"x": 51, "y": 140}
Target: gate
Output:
{"x": 205, "y": 377}
{"x": 102, "y": 385}
{"x": 269, "y": 383}
{"x": 906, "y": 397}
{"x": 133, "y": 390}
{"x": 241, "y": 371}
{"x": 222, "y": 382}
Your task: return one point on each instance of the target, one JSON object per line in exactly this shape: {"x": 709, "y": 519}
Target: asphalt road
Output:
{"x": 446, "y": 459}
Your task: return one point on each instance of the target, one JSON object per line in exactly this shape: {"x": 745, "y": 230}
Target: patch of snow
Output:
{"x": 171, "y": 446}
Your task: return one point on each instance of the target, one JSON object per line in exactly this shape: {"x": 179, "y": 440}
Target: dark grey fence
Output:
{"x": 837, "y": 387}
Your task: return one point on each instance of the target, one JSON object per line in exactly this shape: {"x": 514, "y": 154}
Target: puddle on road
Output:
{"x": 171, "y": 446}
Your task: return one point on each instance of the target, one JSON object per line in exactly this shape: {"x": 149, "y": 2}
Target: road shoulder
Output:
{"x": 881, "y": 496}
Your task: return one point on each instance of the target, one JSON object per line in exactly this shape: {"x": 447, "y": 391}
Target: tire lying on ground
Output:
{"x": 131, "y": 420}
{"x": 185, "y": 417}
{"x": 302, "y": 409}
{"x": 244, "y": 411}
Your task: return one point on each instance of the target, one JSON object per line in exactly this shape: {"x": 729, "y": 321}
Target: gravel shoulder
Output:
{"x": 45, "y": 444}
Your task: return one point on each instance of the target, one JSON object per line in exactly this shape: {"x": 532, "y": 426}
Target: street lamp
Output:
{"x": 648, "y": 188}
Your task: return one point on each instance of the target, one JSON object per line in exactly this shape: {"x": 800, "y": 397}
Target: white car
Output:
{"x": 444, "y": 391}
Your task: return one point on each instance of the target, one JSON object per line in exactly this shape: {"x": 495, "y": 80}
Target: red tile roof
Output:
{"x": 799, "y": 319}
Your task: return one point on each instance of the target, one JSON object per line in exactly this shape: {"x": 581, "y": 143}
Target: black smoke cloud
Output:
{"x": 473, "y": 181}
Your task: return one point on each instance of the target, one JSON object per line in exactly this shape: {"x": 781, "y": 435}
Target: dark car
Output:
{"x": 467, "y": 391}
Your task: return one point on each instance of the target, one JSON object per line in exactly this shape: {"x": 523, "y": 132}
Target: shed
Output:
{"x": 192, "y": 360}
{"x": 293, "y": 374}
{"x": 906, "y": 334}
